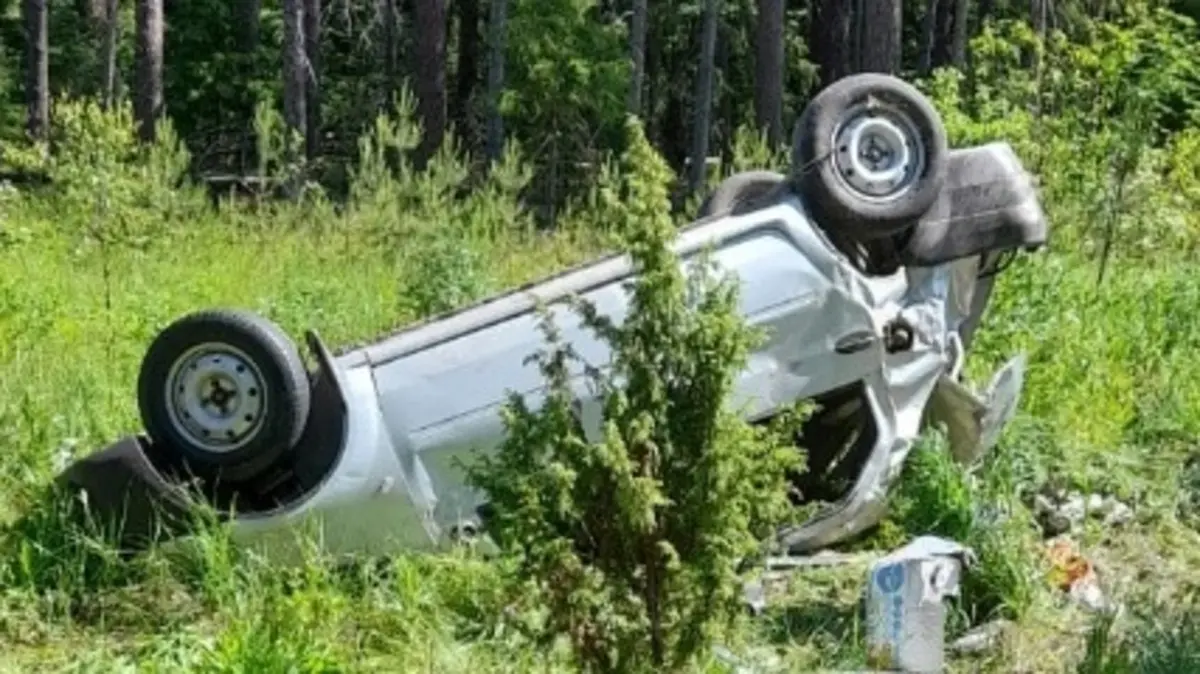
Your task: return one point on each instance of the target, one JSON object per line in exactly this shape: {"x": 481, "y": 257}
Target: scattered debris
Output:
{"x": 1058, "y": 518}
{"x": 779, "y": 569}
{"x": 755, "y": 596}
{"x": 1067, "y": 565}
{"x": 981, "y": 638}
{"x": 1061, "y": 513}
{"x": 728, "y": 657}
{"x": 65, "y": 453}
{"x": 822, "y": 558}
{"x": 1113, "y": 512}
{"x": 1074, "y": 574}
{"x": 906, "y": 617}
{"x": 1087, "y": 593}
{"x": 764, "y": 662}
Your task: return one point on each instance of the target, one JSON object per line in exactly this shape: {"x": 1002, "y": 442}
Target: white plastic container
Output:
{"x": 906, "y": 614}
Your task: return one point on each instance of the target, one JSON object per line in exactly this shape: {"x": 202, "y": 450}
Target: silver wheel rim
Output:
{"x": 216, "y": 397}
{"x": 878, "y": 152}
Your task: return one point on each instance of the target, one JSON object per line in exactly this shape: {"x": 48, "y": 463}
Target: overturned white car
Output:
{"x": 869, "y": 266}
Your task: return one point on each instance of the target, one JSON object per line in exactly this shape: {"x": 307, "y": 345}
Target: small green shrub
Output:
{"x": 935, "y": 496}
{"x": 629, "y": 546}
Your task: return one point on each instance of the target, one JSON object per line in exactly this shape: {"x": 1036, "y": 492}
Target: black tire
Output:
{"x": 741, "y": 190}
{"x": 245, "y": 351}
{"x": 815, "y": 150}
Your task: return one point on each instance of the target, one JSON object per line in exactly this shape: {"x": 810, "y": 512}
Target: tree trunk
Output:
{"x": 94, "y": 14}
{"x": 149, "y": 71}
{"x": 943, "y": 41}
{"x": 958, "y": 50}
{"x": 675, "y": 127}
{"x": 431, "y": 75}
{"x": 388, "y": 48}
{"x": 653, "y": 91}
{"x": 702, "y": 103}
{"x": 724, "y": 120}
{"x": 312, "y": 78}
{"x": 92, "y": 11}
{"x": 928, "y": 37}
{"x": 112, "y": 38}
{"x": 468, "y": 66}
{"x": 880, "y": 36}
{"x": 830, "y": 39}
{"x": 497, "y": 34}
{"x": 1037, "y": 18}
{"x": 294, "y": 77}
{"x": 638, "y": 25}
{"x": 769, "y": 69}
{"x": 248, "y": 14}
{"x": 37, "y": 73}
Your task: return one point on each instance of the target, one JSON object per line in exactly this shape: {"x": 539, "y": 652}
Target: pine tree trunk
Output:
{"x": 652, "y": 91}
{"x": 830, "y": 39}
{"x": 958, "y": 51}
{"x": 928, "y": 37}
{"x": 431, "y": 75}
{"x": 769, "y": 69}
{"x": 468, "y": 66}
{"x": 148, "y": 73}
{"x": 1037, "y": 14}
{"x": 725, "y": 111}
{"x": 248, "y": 15}
{"x": 943, "y": 41}
{"x": 312, "y": 78}
{"x": 37, "y": 74}
{"x": 1037, "y": 18}
{"x": 879, "y": 37}
{"x": 95, "y": 14}
{"x": 112, "y": 38}
{"x": 702, "y": 103}
{"x": 389, "y": 17}
{"x": 92, "y": 11}
{"x": 497, "y": 39}
{"x": 638, "y": 25}
{"x": 294, "y": 77}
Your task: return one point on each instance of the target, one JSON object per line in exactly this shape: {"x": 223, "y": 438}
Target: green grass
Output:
{"x": 1110, "y": 403}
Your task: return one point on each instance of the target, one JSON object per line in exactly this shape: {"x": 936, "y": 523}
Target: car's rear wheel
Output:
{"x": 224, "y": 390}
{"x": 869, "y": 155}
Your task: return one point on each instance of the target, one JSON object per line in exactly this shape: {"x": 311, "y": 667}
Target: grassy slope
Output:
{"x": 1111, "y": 404}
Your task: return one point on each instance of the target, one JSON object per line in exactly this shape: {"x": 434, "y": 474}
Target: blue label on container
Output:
{"x": 890, "y": 578}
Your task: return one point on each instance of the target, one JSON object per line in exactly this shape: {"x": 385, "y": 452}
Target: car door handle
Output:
{"x": 854, "y": 342}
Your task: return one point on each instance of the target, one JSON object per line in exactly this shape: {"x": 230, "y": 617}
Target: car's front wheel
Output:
{"x": 741, "y": 190}
{"x": 226, "y": 391}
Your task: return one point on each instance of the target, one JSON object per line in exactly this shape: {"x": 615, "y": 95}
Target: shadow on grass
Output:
{"x": 1158, "y": 639}
{"x": 55, "y": 547}
{"x": 832, "y": 619}
{"x": 832, "y": 628}
{"x": 58, "y": 549}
